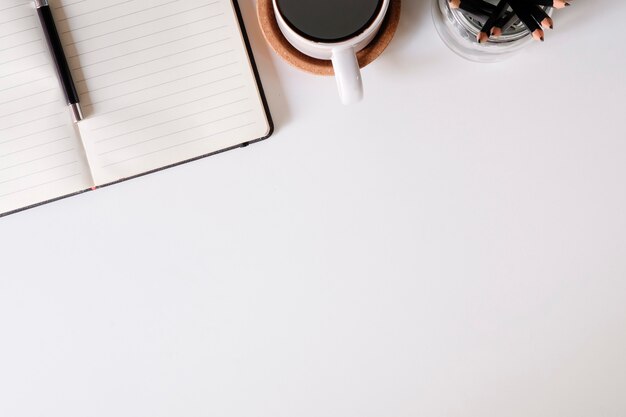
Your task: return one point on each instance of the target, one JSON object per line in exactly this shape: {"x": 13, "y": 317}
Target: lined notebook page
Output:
{"x": 161, "y": 82}
{"x": 41, "y": 157}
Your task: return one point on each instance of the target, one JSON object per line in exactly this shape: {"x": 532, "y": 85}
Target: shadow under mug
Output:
{"x": 341, "y": 51}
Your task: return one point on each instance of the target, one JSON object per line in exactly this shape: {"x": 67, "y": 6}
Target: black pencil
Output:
{"x": 557, "y": 4}
{"x": 522, "y": 9}
{"x": 482, "y": 4}
{"x": 485, "y": 32}
{"x": 504, "y": 23}
{"x": 472, "y": 7}
{"x": 542, "y": 17}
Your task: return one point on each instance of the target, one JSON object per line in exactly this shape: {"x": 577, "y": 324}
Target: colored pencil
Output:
{"x": 485, "y": 32}
{"x": 542, "y": 17}
{"x": 522, "y": 9}
{"x": 473, "y": 6}
{"x": 482, "y": 4}
{"x": 504, "y": 23}
{"x": 557, "y": 4}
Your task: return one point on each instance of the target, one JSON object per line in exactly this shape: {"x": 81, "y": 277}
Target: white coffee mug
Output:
{"x": 342, "y": 54}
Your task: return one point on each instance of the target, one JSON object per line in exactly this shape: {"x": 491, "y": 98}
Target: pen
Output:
{"x": 60, "y": 61}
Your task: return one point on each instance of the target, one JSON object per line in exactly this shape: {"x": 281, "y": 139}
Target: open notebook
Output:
{"x": 161, "y": 82}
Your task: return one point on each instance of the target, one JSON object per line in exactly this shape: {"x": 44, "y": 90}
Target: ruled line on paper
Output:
{"x": 82, "y": 67}
{"x": 47, "y": 129}
{"x": 114, "y": 45}
{"x": 161, "y": 58}
{"x": 128, "y": 80}
{"x": 69, "y": 3}
{"x": 22, "y": 57}
{"x": 162, "y": 110}
{"x": 41, "y": 184}
{"x": 29, "y": 161}
{"x": 153, "y": 77}
{"x": 29, "y": 121}
{"x": 176, "y": 120}
{"x": 163, "y": 96}
{"x": 40, "y": 155}
{"x": 180, "y": 144}
{"x": 141, "y": 90}
{"x": 24, "y": 70}
{"x": 18, "y": 32}
{"x": 133, "y": 27}
{"x": 11, "y": 7}
{"x": 100, "y": 9}
{"x": 22, "y": 97}
{"x": 143, "y": 10}
{"x": 56, "y": 100}
{"x": 15, "y": 19}
{"x": 172, "y": 94}
{"x": 21, "y": 45}
{"x": 174, "y": 133}
{"x": 41, "y": 171}
{"x": 7, "y": 154}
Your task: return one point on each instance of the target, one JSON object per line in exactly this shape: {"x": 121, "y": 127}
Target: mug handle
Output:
{"x": 348, "y": 75}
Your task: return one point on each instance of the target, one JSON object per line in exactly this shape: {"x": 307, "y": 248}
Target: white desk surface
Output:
{"x": 453, "y": 246}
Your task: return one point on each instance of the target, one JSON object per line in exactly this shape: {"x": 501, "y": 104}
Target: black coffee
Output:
{"x": 329, "y": 20}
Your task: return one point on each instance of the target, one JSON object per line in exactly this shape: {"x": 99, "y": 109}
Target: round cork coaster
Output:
{"x": 285, "y": 50}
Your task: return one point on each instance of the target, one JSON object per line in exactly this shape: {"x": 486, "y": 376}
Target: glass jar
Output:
{"x": 458, "y": 30}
